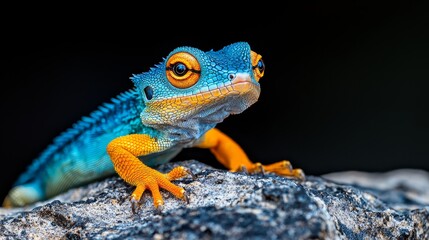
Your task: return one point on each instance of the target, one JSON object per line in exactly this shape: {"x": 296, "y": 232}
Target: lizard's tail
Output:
{"x": 22, "y": 195}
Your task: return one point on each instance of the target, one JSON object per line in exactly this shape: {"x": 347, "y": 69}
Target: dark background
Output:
{"x": 345, "y": 85}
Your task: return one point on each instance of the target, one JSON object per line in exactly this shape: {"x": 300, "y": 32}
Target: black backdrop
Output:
{"x": 345, "y": 85}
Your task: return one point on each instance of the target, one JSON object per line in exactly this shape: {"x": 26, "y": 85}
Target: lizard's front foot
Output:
{"x": 154, "y": 180}
{"x": 282, "y": 168}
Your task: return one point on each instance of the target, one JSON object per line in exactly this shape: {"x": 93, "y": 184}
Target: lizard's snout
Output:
{"x": 242, "y": 83}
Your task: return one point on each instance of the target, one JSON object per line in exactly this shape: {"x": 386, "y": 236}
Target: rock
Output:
{"x": 224, "y": 205}
{"x": 402, "y": 188}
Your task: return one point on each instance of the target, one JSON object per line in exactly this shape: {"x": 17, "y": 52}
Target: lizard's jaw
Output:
{"x": 195, "y": 114}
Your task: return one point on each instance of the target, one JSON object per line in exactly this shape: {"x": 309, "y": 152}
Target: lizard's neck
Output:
{"x": 185, "y": 131}
{"x": 184, "y": 128}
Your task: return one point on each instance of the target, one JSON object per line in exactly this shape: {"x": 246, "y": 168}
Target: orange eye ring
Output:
{"x": 183, "y": 70}
{"x": 258, "y": 65}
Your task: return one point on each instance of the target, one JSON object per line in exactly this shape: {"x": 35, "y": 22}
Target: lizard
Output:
{"x": 176, "y": 104}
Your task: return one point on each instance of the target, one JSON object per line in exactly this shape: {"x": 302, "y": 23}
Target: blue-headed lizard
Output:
{"x": 174, "y": 105}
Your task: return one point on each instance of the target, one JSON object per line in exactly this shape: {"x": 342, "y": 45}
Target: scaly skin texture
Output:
{"x": 174, "y": 105}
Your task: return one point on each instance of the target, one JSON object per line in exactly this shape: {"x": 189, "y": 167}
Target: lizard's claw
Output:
{"x": 135, "y": 205}
{"x": 155, "y": 180}
{"x": 190, "y": 173}
{"x": 159, "y": 207}
{"x": 283, "y": 168}
{"x": 242, "y": 168}
{"x": 186, "y": 197}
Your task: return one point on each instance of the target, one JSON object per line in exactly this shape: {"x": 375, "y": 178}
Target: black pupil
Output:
{"x": 261, "y": 66}
{"x": 149, "y": 92}
{"x": 180, "y": 69}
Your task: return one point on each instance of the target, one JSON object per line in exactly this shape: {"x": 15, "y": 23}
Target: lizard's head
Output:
{"x": 196, "y": 89}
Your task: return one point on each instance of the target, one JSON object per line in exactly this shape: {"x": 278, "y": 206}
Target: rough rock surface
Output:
{"x": 225, "y": 205}
{"x": 402, "y": 188}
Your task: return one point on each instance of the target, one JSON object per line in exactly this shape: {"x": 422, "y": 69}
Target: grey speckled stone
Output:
{"x": 223, "y": 205}
{"x": 402, "y": 188}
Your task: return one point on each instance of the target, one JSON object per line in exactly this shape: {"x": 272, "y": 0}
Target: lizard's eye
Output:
{"x": 180, "y": 69}
{"x": 183, "y": 70}
{"x": 258, "y": 65}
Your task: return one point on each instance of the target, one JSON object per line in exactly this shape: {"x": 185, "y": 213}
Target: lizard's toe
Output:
{"x": 179, "y": 172}
{"x": 153, "y": 182}
{"x": 260, "y": 168}
{"x": 283, "y": 168}
{"x": 299, "y": 173}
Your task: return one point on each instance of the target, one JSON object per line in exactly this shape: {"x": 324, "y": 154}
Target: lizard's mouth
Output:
{"x": 242, "y": 83}
{"x": 241, "y": 86}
